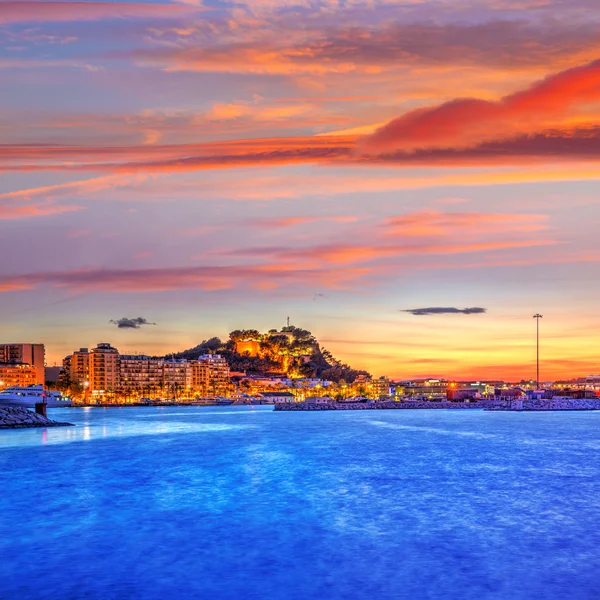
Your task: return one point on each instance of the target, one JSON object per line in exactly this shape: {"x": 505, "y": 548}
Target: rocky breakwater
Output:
{"x": 384, "y": 405}
{"x": 549, "y": 404}
{"x": 14, "y": 417}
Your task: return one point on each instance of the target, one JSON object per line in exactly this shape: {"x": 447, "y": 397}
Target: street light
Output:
{"x": 537, "y": 318}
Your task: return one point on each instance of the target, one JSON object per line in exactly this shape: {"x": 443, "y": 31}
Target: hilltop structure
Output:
{"x": 291, "y": 352}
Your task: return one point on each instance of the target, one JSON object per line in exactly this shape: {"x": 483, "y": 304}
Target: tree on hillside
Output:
{"x": 245, "y": 335}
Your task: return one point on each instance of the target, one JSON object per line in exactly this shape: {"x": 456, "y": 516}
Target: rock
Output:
{"x": 13, "y": 417}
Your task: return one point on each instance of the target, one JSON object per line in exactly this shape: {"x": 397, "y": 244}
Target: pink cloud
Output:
{"x": 470, "y": 122}
{"x": 30, "y": 11}
{"x": 43, "y": 209}
{"x": 435, "y": 224}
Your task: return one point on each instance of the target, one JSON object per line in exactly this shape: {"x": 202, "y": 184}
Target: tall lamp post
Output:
{"x": 537, "y": 318}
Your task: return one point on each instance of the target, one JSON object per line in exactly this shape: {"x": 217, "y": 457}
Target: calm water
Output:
{"x": 244, "y": 503}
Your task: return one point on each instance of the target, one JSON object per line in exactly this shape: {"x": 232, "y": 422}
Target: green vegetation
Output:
{"x": 291, "y": 352}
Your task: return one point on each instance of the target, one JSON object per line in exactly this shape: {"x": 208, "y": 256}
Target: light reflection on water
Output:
{"x": 239, "y": 502}
{"x": 92, "y": 424}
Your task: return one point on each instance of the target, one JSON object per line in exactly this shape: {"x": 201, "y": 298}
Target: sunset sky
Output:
{"x": 213, "y": 165}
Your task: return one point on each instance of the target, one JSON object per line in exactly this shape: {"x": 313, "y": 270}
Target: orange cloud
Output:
{"x": 9, "y": 212}
{"x": 433, "y": 223}
{"x": 209, "y": 278}
{"x": 74, "y": 188}
{"x": 343, "y": 254}
{"x": 469, "y": 132}
{"x": 291, "y": 221}
{"x": 470, "y": 122}
{"x": 320, "y": 48}
{"x": 283, "y": 222}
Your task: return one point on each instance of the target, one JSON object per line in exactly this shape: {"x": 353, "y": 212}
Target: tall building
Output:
{"x": 28, "y": 354}
{"x": 104, "y": 369}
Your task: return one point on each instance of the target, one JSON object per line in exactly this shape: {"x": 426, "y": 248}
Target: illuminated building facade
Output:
{"x": 103, "y": 372}
{"x": 140, "y": 375}
{"x": 27, "y": 354}
{"x": 17, "y": 374}
{"x": 104, "y": 369}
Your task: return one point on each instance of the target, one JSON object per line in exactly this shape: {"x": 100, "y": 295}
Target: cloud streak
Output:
{"x": 36, "y": 12}
{"x": 441, "y": 310}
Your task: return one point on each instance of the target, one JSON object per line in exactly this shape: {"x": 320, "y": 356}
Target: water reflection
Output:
{"x": 101, "y": 423}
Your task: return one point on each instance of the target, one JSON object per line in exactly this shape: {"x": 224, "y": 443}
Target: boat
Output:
{"x": 28, "y": 397}
{"x": 224, "y": 401}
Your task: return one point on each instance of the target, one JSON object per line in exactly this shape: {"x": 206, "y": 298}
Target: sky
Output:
{"x": 214, "y": 165}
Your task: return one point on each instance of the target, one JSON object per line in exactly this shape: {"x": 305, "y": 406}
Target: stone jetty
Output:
{"x": 517, "y": 405}
{"x": 547, "y": 404}
{"x": 14, "y": 417}
{"x": 385, "y": 405}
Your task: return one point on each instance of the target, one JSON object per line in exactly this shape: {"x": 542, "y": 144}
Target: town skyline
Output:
{"x": 377, "y": 173}
{"x": 54, "y": 358}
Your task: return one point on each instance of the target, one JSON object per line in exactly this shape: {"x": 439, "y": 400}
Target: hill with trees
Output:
{"x": 291, "y": 352}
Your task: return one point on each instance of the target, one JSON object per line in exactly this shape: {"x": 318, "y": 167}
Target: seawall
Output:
{"x": 14, "y": 417}
{"x": 550, "y": 404}
{"x": 386, "y": 405}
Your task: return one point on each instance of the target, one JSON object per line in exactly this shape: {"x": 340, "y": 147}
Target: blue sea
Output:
{"x": 246, "y": 503}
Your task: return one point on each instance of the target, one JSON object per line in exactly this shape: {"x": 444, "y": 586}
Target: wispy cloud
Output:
{"x": 441, "y": 310}
{"x": 36, "y": 12}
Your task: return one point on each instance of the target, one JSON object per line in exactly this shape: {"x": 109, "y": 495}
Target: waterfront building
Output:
{"x": 214, "y": 370}
{"x": 177, "y": 378}
{"x": 17, "y": 374}
{"x": 319, "y": 400}
{"x": 380, "y": 387}
{"x": 462, "y": 393}
{"x": 425, "y": 388}
{"x": 592, "y": 382}
{"x": 76, "y": 367}
{"x": 276, "y": 397}
{"x": 140, "y": 375}
{"x": 103, "y": 373}
{"x": 27, "y": 354}
{"x": 104, "y": 370}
